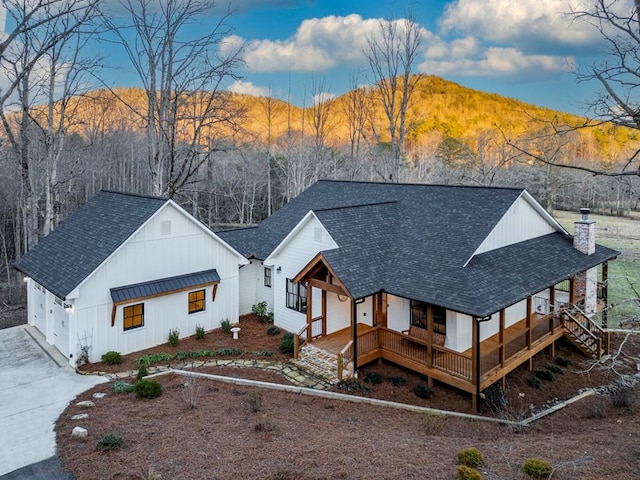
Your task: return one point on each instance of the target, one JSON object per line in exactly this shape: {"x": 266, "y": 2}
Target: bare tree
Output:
{"x": 28, "y": 57}
{"x": 392, "y": 52}
{"x": 183, "y": 78}
{"x": 320, "y": 115}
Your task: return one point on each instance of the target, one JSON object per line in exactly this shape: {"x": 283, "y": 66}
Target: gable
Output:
{"x": 524, "y": 220}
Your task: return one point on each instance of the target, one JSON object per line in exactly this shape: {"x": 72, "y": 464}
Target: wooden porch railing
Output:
{"x": 586, "y": 334}
{"x": 344, "y": 357}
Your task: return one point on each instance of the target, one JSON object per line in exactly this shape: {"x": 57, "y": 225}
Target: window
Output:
{"x": 196, "y": 301}
{"x": 419, "y": 316}
{"x": 267, "y": 277}
{"x": 133, "y": 316}
{"x": 296, "y": 296}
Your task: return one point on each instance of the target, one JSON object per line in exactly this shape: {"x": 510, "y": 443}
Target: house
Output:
{"x": 124, "y": 270}
{"x": 462, "y": 284}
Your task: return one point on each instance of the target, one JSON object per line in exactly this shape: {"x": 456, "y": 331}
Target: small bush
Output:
{"x": 544, "y": 375}
{"x": 147, "y": 389}
{"x": 120, "y": 386}
{"x": 263, "y": 353}
{"x": 225, "y": 325}
{"x": 286, "y": 345}
{"x": 397, "y": 381}
{"x": 109, "y": 442}
{"x": 264, "y": 424}
{"x": 433, "y": 424}
{"x": 269, "y": 318}
{"x": 467, "y": 473}
{"x": 554, "y": 368}
{"x": 255, "y": 400}
{"x": 495, "y": 398}
{"x": 226, "y": 351}
{"x": 181, "y": 356}
{"x": 200, "y": 332}
{"x": 622, "y": 397}
{"x": 563, "y": 362}
{"x": 471, "y": 457}
{"x": 287, "y": 336}
{"x": 142, "y": 372}
{"x": 538, "y": 469}
{"x": 534, "y": 382}
{"x": 374, "y": 378}
{"x": 260, "y": 309}
{"x": 174, "y": 337}
{"x": 422, "y": 391}
{"x": 273, "y": 331}
{"x": 353, "y": 385}
{"x": 112, "y": 358}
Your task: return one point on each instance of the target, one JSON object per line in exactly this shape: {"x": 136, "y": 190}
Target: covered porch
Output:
{"x": 490, "y": 357}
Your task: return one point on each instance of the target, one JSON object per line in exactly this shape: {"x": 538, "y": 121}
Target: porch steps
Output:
{"x": 585, "y": 344}
{"x": 321, "y": 363}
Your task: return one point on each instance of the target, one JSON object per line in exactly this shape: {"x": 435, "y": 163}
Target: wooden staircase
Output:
{"x": 584, "y": 333}
{"x": 321, "y": 363}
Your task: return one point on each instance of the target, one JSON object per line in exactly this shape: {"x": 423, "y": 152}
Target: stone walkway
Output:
{"x": 287, "y": 370}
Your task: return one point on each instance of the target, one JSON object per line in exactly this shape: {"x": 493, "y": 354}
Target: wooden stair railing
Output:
{"x": 344, "y": 357}
{"x": 299, "y": 339}
{"x": 587, "y": 335}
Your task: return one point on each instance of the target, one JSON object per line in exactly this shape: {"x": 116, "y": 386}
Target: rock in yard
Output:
{"x": 86, "y": 404}
{"x": 99, "y": 395}
{"x": 80, "y": 416}
{"x": 79, "y": 432}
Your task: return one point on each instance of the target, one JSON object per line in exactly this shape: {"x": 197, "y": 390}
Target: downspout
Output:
{"x": 354, "y": 328}
{"x": 478, "y": 356}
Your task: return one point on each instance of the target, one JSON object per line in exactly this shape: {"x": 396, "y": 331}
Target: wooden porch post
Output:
{"x": 503, "y": 349}
{"x": 475, "y": 334}
{"x": 552, "y": 299}
{"x": 429, "y": 342}
{"x": 309, "y": 312}
{"x": 529, "y": 302}
{"x": 572, "y": 293}
{"x": 324, "y": 312}
{"x": 605, "y": 294}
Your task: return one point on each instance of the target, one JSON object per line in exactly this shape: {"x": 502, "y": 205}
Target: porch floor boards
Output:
{"x": 336, "y": 341}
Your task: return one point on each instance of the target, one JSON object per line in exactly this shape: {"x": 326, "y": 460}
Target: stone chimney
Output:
{"x": 584, "y": 233}
{"x": 586, "y": 283}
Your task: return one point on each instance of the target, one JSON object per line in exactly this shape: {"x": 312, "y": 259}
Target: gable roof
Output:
{"x": 87, "y": 238}
{"x": 419, "y": 241}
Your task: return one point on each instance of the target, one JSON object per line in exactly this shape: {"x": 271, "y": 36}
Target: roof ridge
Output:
{"x": 359, "y": 205}
{"x": 368, "y": 182}
{"x": 139, "y": 195}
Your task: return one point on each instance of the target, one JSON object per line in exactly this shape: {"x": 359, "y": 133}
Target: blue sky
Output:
{"x": 523, "y": 49}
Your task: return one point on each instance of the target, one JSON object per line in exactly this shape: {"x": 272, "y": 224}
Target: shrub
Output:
{"x": 286, "y": 345}
{"x": 263, "y": 353}
{"x": 260, "y": 309}
{"x": 147, "y": 389}
{"x": 433, "y": 424}
{"x": 563, "y": 362}
{"x": 534, "y": 382}
{"x": 287, "y": 335}
{"x": 112, "y": 358}
{"x": 544, "y": 375}
{"x": 273, "y": 331}
{"x": 226, "y": 351}
{"x": 199, "y": 332}
{"x": 423, "y": 391}
{"x": 269, "y": 318}
{"x": 537, "y": 469}
{"x": 225, "y": 325}
{"x": 374, "y": 378}
{"x": 471, "y": 457}
{"x": 142, "y": 372}
{"x": 397, "y": 381}
{"x": 495, "y": 398}
{"x": 181, "y": 356}
{"x": 120, "y": 386}
{"x": 174, "y": 337}
{"x": 467, "y": 473}
{"x": 353, "y": 385}
{"x": 255, "y": 400}
{"x": 109, "y": 441}
{"x": 554, "y": 368}
{"x": 622, "y": 397}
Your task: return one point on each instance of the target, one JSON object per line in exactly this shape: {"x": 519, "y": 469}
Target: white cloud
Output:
{"x": 323, "y": 97}
{"x": 531, "y": 25}
{"x": 317, "y": 45}
{"x": 500, "y": 62}
{"x": 249, "y": 88}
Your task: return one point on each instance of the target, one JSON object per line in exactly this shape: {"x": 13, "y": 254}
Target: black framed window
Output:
{"x": 196, "y": 301}
{"x": 267, "y": 277}
{"x": 296, "y": 296}
{"x": 419, "y": 316}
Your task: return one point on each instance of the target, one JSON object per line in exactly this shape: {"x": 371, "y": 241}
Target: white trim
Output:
{"x": 269, "y": 261}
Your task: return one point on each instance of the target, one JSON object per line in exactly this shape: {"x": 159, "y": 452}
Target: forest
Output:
{"x": 232, "y": 159}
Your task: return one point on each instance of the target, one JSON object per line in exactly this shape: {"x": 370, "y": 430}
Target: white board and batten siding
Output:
{"x": 171, "y": 243}
{"x": 252, "y": 287}
{"x": 521, "y": 222}
{"x": 299, "y": 247}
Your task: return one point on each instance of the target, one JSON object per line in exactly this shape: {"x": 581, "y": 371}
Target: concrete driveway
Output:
{"x": 35, "y": 387}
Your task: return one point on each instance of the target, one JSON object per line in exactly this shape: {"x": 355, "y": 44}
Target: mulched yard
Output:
{"x": 207, "y": 429}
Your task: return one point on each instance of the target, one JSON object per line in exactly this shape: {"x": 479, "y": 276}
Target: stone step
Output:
{"x": 321, "y": 363}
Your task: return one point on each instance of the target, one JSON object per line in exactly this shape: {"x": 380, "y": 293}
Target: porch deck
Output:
{"x": 497, "y": 357}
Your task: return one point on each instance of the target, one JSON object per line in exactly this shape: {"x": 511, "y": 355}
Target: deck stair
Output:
{"x": 585, "y": 334}
{"x": 321, "y": 363}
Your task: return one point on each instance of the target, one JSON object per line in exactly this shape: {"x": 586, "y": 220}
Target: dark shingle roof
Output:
{"x": 62, "y": 260}
{"x": 164, "y": 285}
{"x": 415, "y": 240}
